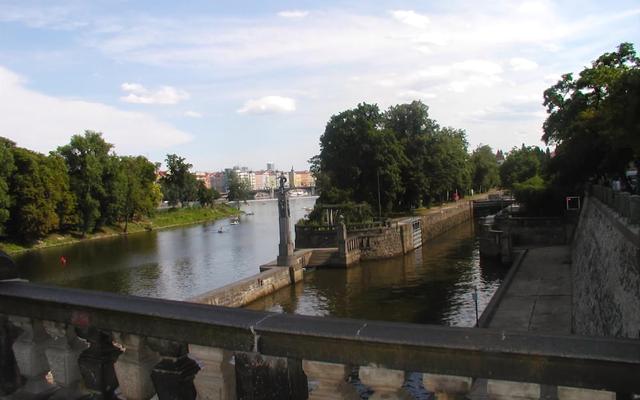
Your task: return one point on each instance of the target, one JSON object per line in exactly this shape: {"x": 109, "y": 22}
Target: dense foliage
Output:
{"x": 179, "y": 185}
{"x": 594, "y": 120}
{"x": 394, "y": 160}
{"x": 485, "y": 169}
{"x": 522, "y": 164}
{"x": 84, "y": 186}
{"x": 238, "y": 189}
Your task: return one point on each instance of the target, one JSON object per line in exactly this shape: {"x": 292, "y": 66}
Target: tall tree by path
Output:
{"x": 179, "y": 185}
{"x": 87, "y": 157}
{"x": 6, "y": 161}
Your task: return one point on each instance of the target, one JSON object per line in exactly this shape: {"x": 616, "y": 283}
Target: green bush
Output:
{"x": 538, "y": 197}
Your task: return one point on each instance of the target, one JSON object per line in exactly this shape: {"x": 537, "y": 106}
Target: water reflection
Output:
{"x": 431, "y": 285}
{"x": 173, "y": 264}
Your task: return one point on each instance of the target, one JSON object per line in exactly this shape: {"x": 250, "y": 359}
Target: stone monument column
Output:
{"x": 285, "y": 248}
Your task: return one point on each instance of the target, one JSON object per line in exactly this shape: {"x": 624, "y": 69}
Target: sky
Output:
{"x": 226, "y": 83}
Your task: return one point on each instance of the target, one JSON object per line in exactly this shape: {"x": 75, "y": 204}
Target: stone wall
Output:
{"x": 437, "y": 223}
{"x": 313, "y": 237}
{"x": 606, "y": 273}
{"x": 536, "y": 231}
{"x": 270, "y": 279}
{"x": 385, "y": 243}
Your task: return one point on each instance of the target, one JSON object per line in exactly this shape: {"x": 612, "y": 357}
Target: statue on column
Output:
{"x": 285, "y": 248}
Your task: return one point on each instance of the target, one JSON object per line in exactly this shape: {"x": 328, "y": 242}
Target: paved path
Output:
{"x": 539, "y": 297}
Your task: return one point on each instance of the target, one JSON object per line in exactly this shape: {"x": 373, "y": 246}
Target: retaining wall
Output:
{"x": 437, "y": 223}
{"x": 270, "y": 279}
{"x": 606, "y": 273}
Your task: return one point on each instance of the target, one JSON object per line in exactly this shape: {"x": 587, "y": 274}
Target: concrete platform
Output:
{"x": 539, "y": 297}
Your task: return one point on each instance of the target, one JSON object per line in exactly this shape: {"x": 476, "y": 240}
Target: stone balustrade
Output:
{"x": 625, "y": 204}
{"x": 70, "y": 344}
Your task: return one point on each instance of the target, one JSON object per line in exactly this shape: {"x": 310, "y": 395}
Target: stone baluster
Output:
{"x": 447, "y": 387}
{"x": 62, "y": 354}
{"x": 328, "y": 381}
{"x": 265, "y": 377}
{"x": 503, "y": 390}
{"x": 9, "y": 374}
{"x": 217, "y": 379}
{"x": 624, "y": 204}
{"x": 96, "y": 363}
{"x": 173, "y": 376}
{"x": 634, "y": 209}
{"x": 569, "y": 393}
{"x": 134, "y": 366}
{"x": 29, "y": 351}
{"x": 385, "y": 383}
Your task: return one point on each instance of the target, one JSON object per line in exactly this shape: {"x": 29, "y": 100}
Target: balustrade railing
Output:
{"x": 624, "y": 204}
{"x": 75, "y": 343}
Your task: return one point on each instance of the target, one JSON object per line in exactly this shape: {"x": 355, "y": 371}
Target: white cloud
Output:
{"x": 192, "y": 114}
{"x": 293, "y": 14}
{"x": 478, "y": 67}
{"x": 409, "y": 95}
{"x": 411, "y": 18}
{"x": 268, "y": 105}
{"x": 522, "y": 64}
{"x": 41, "y": 122}
{"x": 138, "y": 94}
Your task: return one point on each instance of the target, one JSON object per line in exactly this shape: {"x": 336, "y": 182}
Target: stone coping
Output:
{"x": 589, "y": 362}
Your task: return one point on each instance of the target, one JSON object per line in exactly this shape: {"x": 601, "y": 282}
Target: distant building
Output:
{"x": 300, "y": 179}
{"x": 218, "y": 181}
{"x": 203, "y": 177}
{"x": 304, "y": 179}
{"x": 271, "y": 167}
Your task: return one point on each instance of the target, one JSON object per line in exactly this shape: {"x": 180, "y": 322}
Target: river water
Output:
{"x": 431, "y": 285}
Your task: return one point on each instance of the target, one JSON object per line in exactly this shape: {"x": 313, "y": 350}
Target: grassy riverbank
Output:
{"x": 162, "y": 220}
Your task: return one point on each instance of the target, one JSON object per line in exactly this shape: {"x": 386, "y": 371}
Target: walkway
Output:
{"x": 539, "y": 297}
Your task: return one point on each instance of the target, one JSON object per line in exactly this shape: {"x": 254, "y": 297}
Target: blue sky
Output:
{"x": 243, "y": 83}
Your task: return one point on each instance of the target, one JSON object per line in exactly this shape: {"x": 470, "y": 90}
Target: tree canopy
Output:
{"x": 485, "y": 171}
{"x": 396, "y": 160}
{"x": 521, "y": 164}
{"x": 594, "y": 120}
{"x": 238, "y": 189}
{"x": 179, "y": 185}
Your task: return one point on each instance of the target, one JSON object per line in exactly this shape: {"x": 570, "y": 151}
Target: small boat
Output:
{"x": 249, "y": 213}
{"x": 220, "y": 230}
{"x": 235, "y": 221}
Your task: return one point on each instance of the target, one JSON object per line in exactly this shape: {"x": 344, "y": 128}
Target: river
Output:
{"x": 431, "y": 285}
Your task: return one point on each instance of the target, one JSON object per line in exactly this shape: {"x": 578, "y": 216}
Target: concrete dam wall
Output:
{"x": 606, "y": 273}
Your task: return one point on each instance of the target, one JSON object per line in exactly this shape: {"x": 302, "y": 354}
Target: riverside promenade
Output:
{"x": 538, "y": 297}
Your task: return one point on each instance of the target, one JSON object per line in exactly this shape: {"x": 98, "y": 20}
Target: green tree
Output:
{"x": 6, "y": 160}
{"x": 414, "y": 129}
{"x": 594, "y": 120}
{"x": 238, "y": 189}
{"x": 447, "y": 163}
{"x": 57, "y": 180}
{"x": 485, "y": 169}
{"x": 360, "y": 159}
{"x": 33, "y": 213}
{"x": 206, "y": 195}
{"x": 179, "y": 185}
{"x": 522, "y": 164}
{"x": 88, "y": 162}
{"x": 140, "y": 190}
